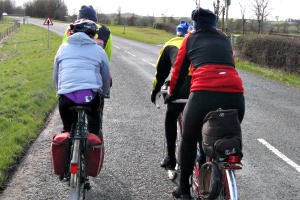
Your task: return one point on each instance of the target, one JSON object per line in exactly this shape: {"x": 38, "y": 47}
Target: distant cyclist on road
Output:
{"x": 81, "y": 74}
{"x": 164, "y": 64}
{"x": 102, "y": 37}
{"x": 215, "y": 84}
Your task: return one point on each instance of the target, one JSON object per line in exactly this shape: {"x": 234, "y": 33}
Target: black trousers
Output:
{"x": 199, "y": 104}
{"x": 172, "y": 114}
{"x": 69, "y": 117}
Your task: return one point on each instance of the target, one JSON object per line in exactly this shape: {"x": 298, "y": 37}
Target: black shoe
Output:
{"x": 180, "y": 193}
{"x": 168, "y": 163}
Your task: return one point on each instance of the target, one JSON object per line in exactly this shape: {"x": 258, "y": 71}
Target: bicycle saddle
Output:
{"x": 80, "y": 108}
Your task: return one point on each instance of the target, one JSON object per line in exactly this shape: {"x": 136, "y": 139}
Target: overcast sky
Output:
{"x": 180, "y": 8}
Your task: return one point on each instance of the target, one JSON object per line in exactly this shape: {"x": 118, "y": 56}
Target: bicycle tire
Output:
{"x": 75, "y": 179}
{"x": 178, "y": 138}
{"x": 229, "y": 187}
{"x": 194, "y": 181}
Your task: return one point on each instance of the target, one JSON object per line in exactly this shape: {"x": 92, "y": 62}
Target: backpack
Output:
{"x": 221, "y": 133}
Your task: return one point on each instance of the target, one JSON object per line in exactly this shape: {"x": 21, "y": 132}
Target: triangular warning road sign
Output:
{"x": 48, "y": 22}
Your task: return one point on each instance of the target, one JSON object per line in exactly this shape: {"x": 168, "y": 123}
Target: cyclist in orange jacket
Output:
{"x": 215, "y": 84}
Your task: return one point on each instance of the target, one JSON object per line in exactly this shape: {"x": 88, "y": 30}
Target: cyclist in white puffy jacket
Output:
{"x": 81, "y": 74}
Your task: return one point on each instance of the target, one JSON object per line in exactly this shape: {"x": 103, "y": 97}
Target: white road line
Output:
{"x": 279, "y": 154}
{"x": 117, "y": 47}
{"x": 130, "y": 53}
{"x": 148, "y": 63}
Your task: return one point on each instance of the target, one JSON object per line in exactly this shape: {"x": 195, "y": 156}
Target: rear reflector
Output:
{"x": 234, "y": 159}
{"x": 74, "y": 168}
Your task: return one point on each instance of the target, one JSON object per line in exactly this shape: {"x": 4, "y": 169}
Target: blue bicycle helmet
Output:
{"x": 183, "y": 28}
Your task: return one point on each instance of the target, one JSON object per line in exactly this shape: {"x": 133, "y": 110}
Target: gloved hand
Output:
{"x": 153, "y": 96}
{"x": 169, "y": 99}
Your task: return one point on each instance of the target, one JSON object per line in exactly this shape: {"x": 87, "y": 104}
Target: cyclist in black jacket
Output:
{"x": 215, "y": 84}
{"x": 164, "y": 64}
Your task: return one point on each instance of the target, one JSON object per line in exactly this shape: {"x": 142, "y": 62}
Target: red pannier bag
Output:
{"x": 95, "y": 155}
{"x": 58, "y": 152}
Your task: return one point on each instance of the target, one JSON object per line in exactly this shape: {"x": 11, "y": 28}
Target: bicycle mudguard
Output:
{"x": 58, "y": 152}
{"x": 95, "y": 154}
{"x": 210, "y": 180}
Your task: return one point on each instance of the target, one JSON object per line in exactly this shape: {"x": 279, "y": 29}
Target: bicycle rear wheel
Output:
{"x": 76, "y": 186}
{"x": 229, "y": 188}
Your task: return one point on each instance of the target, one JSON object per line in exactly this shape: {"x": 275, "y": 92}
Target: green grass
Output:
{"x": 8, "y": 19}
{"x": 276, "y": 75}
{"x": 143, "y": 34}
{"x": 27, "y": 93}
{"x": 3, "y": 27}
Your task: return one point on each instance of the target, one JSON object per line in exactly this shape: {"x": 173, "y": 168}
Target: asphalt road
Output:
{"x": 133, "y": 134}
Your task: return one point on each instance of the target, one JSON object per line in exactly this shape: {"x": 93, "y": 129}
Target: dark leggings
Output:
{"x": 199, "y": 104}
{"x": 69, "y": 117}
{"x": 173, "y": 111}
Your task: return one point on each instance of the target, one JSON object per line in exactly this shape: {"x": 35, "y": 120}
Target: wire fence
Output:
{"x": 9, "y": 30}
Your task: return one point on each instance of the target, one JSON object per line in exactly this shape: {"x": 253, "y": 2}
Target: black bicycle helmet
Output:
{"x": 84, "y": 25}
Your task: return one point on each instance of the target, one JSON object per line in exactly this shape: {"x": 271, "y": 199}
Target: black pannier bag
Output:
{"x": 221, "y": 133}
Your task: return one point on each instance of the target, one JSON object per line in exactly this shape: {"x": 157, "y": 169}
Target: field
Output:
{"x": 26, "y": 89}
{"x": 143, "y": 34}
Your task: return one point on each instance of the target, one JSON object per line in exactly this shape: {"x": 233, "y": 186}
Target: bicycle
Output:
{"x": 225, "y": 188}
{"x": 172, "y": 174}
{"x": 76, "y": 173}
{"x": 201, "y": 185}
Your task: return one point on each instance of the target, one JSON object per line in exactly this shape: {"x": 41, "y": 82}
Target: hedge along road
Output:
{"x": 133, "y": 134}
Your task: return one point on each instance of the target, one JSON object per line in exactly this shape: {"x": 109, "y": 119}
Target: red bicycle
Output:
{"x": 214, "y": 179}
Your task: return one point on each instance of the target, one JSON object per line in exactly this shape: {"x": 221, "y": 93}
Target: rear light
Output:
{"x": 234, "y": 159}
{"x": 74, "y": 168}
{"x": 234, "y": 162}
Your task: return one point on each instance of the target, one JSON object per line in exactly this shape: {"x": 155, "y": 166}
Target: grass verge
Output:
{"x": 276, "y": 75}
{"x": 143, "y": 34}
{"x": 27, "y": 93}
{"x": 8, "y": 20}
{"x": 3, "y": 27}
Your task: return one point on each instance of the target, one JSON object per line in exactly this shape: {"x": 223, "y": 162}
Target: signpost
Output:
{"x": 48, "y": 22}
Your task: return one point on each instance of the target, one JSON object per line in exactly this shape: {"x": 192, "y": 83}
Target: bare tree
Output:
{"x": 217, "y": 8}
{"x": 119, "y": 17}
{"x": 227, "y": 4}
{"x": 277, "y": 18}
{"x": 197, "y": 2}
{"x": 43, "y": 8}
{"x": 243, "y": 9}
{"x": 261, "y": 11}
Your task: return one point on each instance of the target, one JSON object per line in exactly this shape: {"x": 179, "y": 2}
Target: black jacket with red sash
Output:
{"x": 210, "y": 55}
